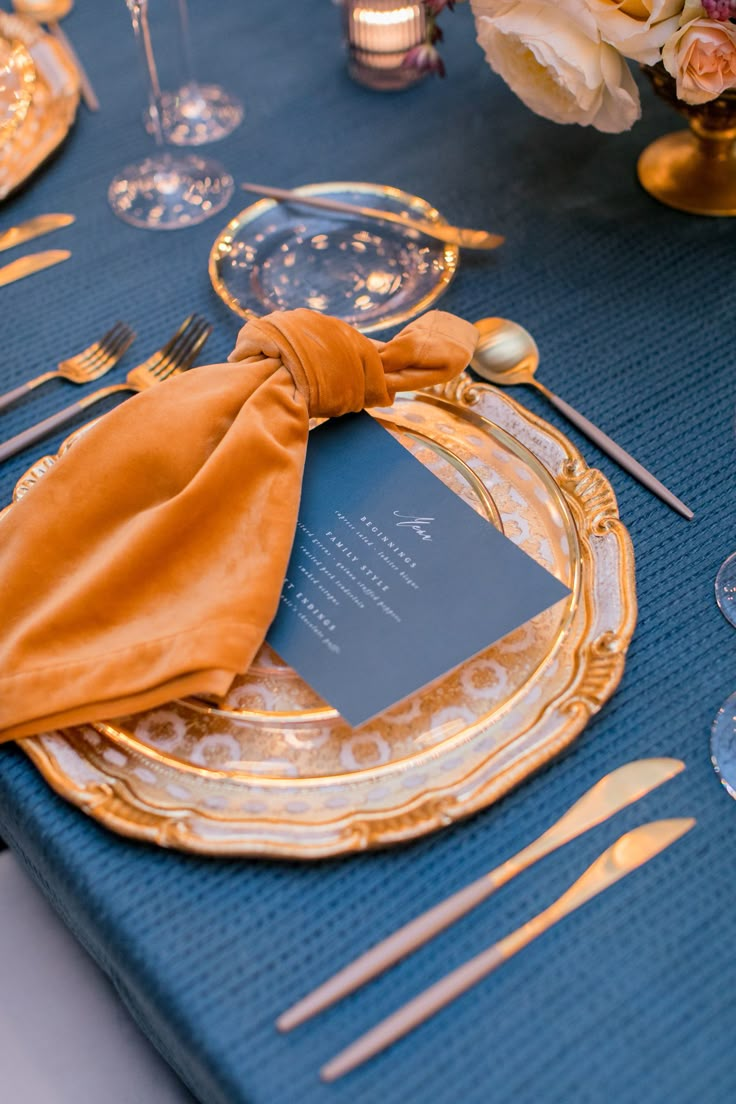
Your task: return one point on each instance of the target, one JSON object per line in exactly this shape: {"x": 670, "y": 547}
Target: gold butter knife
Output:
{"x": 444, "y": 232}
{"x": 626, "y": 854}
{"x": 32, "y": 228}
{"x": 33, "y": 262}
{"x": 613, "y": 792}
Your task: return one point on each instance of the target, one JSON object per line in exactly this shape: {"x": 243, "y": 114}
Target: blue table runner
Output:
{"x": 630, "y": 999}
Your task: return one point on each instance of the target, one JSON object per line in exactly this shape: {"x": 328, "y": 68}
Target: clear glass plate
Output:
{"x": 279, "y": 256}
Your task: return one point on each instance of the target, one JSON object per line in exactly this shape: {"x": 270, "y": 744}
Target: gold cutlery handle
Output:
{"x": 35, "y": 432}
{"x": 621, "y": 456}
{"x": 413, "y": 1013}
{"x": 390, "y": 950}
{"x": 23, "y": 389}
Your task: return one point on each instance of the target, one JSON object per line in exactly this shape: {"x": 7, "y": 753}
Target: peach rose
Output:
{"x": 637, "y": 28}
{"x": 701, "y": 56}
{"x": 551, "y": 55}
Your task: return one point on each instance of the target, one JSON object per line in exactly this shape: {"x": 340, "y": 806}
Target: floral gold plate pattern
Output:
{"x": 17, "y": 81}
{"x": 374, "y": 275}
{"x": 53, "y": 103}
{"x": 274, "y": 771}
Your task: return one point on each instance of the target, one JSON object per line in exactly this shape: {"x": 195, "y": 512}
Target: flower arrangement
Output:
{"x": 567, "y": 59}
{"x": 426, "y": 57}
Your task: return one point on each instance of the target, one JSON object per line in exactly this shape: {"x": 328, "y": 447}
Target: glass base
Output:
{"x": 726, "y": 589}
{"x": 382, "y": 77}
{"x": 196, "y": 114}
{"x": 723, "y": 745}
{"x": 169, "y": 193}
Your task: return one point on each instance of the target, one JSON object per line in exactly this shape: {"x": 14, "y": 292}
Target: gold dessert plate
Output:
{"x": 48, "y": 116}
{"x": 373, "y": 275}
{"x": 274, "y": 771}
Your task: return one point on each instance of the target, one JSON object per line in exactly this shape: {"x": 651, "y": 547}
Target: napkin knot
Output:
{"x": 336, "y": 369}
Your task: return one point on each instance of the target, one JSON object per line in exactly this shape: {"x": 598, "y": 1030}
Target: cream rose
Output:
{"x": 637, "y": 28}
{"x": 701, "y": 56}
{"x": 551, "y": 55}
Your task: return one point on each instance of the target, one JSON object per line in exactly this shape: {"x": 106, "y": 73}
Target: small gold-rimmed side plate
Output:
{"x": 276, "y": 256}
{"x": 53, "y": 106}
{"x": 276, "y": 772}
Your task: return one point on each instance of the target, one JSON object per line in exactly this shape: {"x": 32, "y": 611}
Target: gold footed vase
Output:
{"x": 693, "y": 170}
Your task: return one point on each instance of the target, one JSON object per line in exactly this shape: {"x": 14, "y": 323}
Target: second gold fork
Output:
{"x": 175, "y": 356}
{"x": 90, "y": 364}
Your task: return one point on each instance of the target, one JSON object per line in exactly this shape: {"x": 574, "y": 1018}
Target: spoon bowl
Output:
{"x": 506, "y": 353}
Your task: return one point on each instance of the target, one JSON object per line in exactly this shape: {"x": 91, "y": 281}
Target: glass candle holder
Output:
{"x": 379, "y": 35}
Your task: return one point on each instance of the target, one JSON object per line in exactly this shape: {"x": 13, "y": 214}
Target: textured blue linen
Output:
{"x": 629, "y": 1000}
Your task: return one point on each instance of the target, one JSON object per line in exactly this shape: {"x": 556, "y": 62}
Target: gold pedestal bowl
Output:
{"x": 693, "y": 170}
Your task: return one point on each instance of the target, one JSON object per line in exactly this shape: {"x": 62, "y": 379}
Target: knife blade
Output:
{"x": 33, "y": 228}
{"x": 33, "y": 262}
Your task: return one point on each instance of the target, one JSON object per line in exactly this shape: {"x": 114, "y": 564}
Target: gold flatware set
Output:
{"x": 615, "y": 791}
{"x": 175, "y": 356}
{"x": 32, "y": 262}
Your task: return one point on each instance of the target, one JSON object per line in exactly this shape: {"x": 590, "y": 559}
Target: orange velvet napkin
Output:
{"x": 148, "y": 563}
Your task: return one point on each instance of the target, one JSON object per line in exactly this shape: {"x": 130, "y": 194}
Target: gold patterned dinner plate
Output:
{"x": 48, "y": 115}
{"x": 274, "y": 771}
{"x": 373, "y": 275}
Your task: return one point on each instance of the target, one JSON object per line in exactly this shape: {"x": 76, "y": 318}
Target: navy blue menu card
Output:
{"x": 393, "y": 580}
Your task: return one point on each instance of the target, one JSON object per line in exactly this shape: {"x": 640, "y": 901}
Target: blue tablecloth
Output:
{"x": 632, "y": 305}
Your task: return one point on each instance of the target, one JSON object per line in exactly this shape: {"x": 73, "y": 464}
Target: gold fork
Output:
{"x": 175, "y": 356}
{"x": 88, "y": 365}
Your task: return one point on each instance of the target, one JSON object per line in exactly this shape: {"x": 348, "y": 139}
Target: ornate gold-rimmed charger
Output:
{"x": 49, "y": 115}
{"x": 374, "y": 275}
{"x": 274, "y": 771}
{"x": 17, "y": 81}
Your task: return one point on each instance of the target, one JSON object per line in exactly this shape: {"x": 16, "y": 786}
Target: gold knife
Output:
{"x": 442, "y": 231}
{"x": 626, "y": 854}
{"x": 33, "y": 262}
{"x": 33, "y": 228}
{"x": 613, "y": 792}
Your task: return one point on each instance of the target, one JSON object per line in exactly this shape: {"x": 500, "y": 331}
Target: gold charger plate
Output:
{"x": 53, "y": 105}
{"x": 277, "y": 772}
{"x": 373, "y": 275}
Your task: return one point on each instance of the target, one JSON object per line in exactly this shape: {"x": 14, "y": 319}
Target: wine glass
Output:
{"x": 723, "y": 732}
{"x": 165, "y": 192}
{"x": 726, "y": 589}
{"x": 196, "y": 113}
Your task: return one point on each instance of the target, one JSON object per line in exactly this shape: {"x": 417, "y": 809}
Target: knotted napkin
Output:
{"x": 148, "y": 562}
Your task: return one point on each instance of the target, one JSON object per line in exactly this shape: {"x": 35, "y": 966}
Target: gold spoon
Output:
{"x": 51, "y": 11}
{"x": 507, "y": 354}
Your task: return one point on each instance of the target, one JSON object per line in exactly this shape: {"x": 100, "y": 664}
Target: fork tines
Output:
{"x": 111, "y": 346}
{"x": 181, "y": 349}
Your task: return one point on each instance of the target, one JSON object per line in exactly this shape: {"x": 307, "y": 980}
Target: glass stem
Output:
{"x": 139, "y": 15}
{"x": 186, "y": 42}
